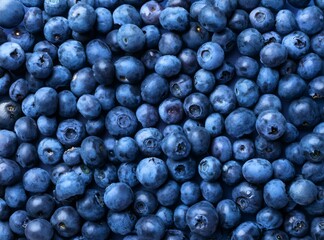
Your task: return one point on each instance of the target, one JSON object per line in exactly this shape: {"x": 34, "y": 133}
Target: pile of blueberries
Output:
{"x": 161, "y": 120}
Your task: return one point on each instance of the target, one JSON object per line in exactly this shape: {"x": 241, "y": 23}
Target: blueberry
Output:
{"x": 229, "y": 214}
{"x": 221, "y": 148}
{"x": 105, "y": 175}
{"x": 309, "y": 66}
{"x": 303, "y": 192}
{"x": 39, "y": 229}
{"x": 25, "y": 39}
{"x": 46, "y": 101}
{"x": 70, "y": 132}
{"x": 168, "y": 194}
{"x": 154, "y": 88}
{"x": 257, "y": 171}
{"x": 262, "y": 19}
{"x": 174, "y": 19}
{"x": 12, "y": 13}
{"x": 214, "y": 124}
{"x": 250, "y": 42}
{"x": 246, "y": 92}
{"x": 89, "y": 106}
{"x": 204, "y": 81}
{"x": 170, "y": 43}
{"x": 26, "y": 155}
{"x": 197, "y": 106}
{"x": 248, "y": 197}
{"x": 104, "y": 19}
{"x": 297, "y": 44}
{"x": 317, "y": 44}
{"x": 12, "y": 56}
{"x": 240, "y": 122}
{"x": 126, "y": 14}
{"x": 60, "y": 77}
{"x": 96, "y": 50}
{"x": 105, "y": 95}
{"x": 10, "y": 172}
{"x": 151, "y": 172}
{"x": 128, "y": 96}
{"x": 152, "y": 36}
{"x": 126, "y": 149}
{"x": 268, "y": 102}
{"x": 283, "y": 170}
{"x": 130, "y": 38}
{"x": 243, "y": 149}
{"x": 232, "y": 173}
{"x": 93, "y": 151}
{"x": 81, "y": 17}
{"x": 66, "y": 221}
{"x": 275, "y": 234}
{"x": 223, "y": 99}
{"x": 190, "y": 193}
{"x": 202, "y": 218}
{"x": 121, "y": 222}
{"x": 50, "y": 151}
{"x": 267, "y": 149}
{"x": 294, "y": 154}
{"x": 47, "y": 125}
{"x": 147, "y": 115}
{"x": 285, "y": 22}
{"x": 36, "y": 180}
{"x": 150, "y": 227}
{"x": 210, "y": 56}
{"x": 69, "y": 185}
{"x": 166, "y": 214}
{"x": 239, "y": 20}
{"x": 273, "y": 55}
{"x": 176, "y": 146}
{"x": 127, "y": 174}
{"x": 312, "y": 147}
{"x": 182, "y": 170}
{"x": 315, "y": 88}
{"x": 92, "y": 199}
{"x": 310, "y": 20}
{"x": 296, "y": 224}
{"x": 195, "y": 36}
{"x": 18, "y": 221}
{"x": 246, "y": 67}
{"x": 145, "y": 203}
{"x": 72, "y": 59}
{"x": 168, "y": 66}
{"x": 56, "y": 30}
{"x": 149, "y": 141}
{"x": 181, "y": 86}
{"x": 150, "y": 12}
{"x": 271, "y": 124}
{"x": 95, "y": 230}
{"x": 9, "y": 142}
{"x": 15, "y": 196}
{"x": 317, "y": 228}
{"x": 211, "y": 191}
{"x": 171, "y": 110}
{"x": 6, "y": 232}
{"x": 247, "y": 230}
{"x": 291, "y": 87}
{"x": 268, "y": 218}
{"x": 313, "y": 171}
{"x": 212, "y": 18}
{"x": 120, "y": 121}
{"x": 299, "y": 4}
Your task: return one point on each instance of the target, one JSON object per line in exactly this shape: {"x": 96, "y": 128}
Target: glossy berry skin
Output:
{"x": 295, "y": 224}
{"x": 10, "y": 172}
{"x": 190, "y": 193}
{"x": 246, "y": 67}
{"x": 151, "y": 172}
{"x": 246, "y": 230}
{"x": 130, "y": 38}
{"x": 312, "y": 145}
{"x": 226, "y": 39}
{"x": 36, "y": 180}
{"x": 253, "y": 167}
{"x": 239, "y": 20}
{"x": 202, "y": 218}
{"x": 150, "y": 227}
{"x": 15, "y": 196}
{"x": 240, "y": 122}
{"x": 223, "y": 99}
{"x": 221, "y": 148}
{"x": 12, "y": 13}
{"x": 209, "y": 168}
{"x": 176, "y": 146}
{"x": 309, "y": 66}
{"x": 150, "y": 12}
{"x": 121, "y": 222}
{"x": 39, "y": 229}
{"x": 316, "y": 88}
{"x": 283, "y": 169}
{"x": 248, "y": 197}
{"x": 291, "y": 86}
{"x": 297, "y": 44}
{"x": 243, "y": 149}
{"x": 69, "y": 185}
{"x": 250, "y": 42}
{"x": 317, "y": 228}
{"x": 232, "y": 173}
{"x": 124, "y": 193}
{"x": 310, "y": 20}
{"x": 303, "y": 112}
{"x": 246, "y": 92}
{"x": 262, "y": 19}
{"x": 149, "y": 141}
{"x": 210, "y": 56}
{"x": 167, "y": 66}
{"x": 168, "y": 194}
{"x": 211, "y": 191}
{"x": 12, "y": 56}
{"x": 229, "y": 214}
{"x": 66, "y": 221}
{"x": 182, "y": 170}
{"x": 81, "y": 17}
{"x": 213, "y": 19}
{"x": 144, "y": 203}
{"x": 93, "y": 152}
{"x": 285, "y": 22}
{"x": 303, "y": 192}
{"x": 268, "y": 218}
{"x": 17, "y": 221}
{"x": 273, "y": 55}
{"x": 172, "y": 23}
{"x": 271, "y": 124}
